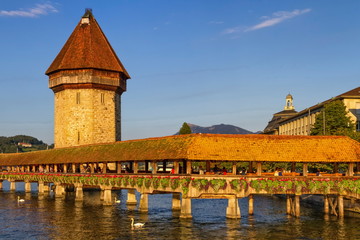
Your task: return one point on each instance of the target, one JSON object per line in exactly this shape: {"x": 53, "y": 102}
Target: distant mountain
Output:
{"x": 218, "y": 129}
{"x": 21, "y": 143}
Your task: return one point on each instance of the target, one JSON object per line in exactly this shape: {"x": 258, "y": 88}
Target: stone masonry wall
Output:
{"x": 86, "y": 116}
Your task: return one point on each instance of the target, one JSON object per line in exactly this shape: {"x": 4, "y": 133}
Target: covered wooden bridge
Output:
{"x": 171, "y": 165}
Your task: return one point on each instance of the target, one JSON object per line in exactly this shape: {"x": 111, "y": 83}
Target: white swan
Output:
{"x": 136, "y": 225}
{"x": 117, "y": 200}
{"x": 20, "y": 200}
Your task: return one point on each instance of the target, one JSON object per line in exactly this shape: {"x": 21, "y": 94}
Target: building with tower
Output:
{"x": 87, "y": 79}
{"x": 289, "y": 110}
{"x": 290, "y": 122}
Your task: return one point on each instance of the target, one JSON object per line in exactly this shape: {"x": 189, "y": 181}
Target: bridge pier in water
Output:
{"x": 46, "y": 187}
{"x": 41, "y": 187}
{"x": 59, "y": 190}
{"x": 144, "y": 202}
{"x": 12, "y": 185}
{"x": 334, "y": 205}
{"x": 107, "y": 195}
{"x": 176, "y": 201}
{"x": 185, "y": 211}
{"x": 251, "y": 204}
{"x": 27, "y": 187}
{"x": 131, "y": 197}
{"x": 233, "y": 209}
{"x": 79, "y": 194}
{"x": 293, "y": 205}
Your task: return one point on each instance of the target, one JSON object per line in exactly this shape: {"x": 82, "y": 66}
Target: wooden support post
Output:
{"x": 33, "y": 168}
{"x": 27, "y": 187}
{"x": 341, "y": 206}
{"x": 305, "y": 169}
{"x": 183, "y": 171}
{"x": 234, "y": 168}
{"x": 146, "y": 166}
{"x": 144, "y": 202}
{"x": 40, "y": 187}
{"x": 1, "y": 184}
{"x": 326, "y": 204}
{"x": 131, "y": 197}
{"x": 164, "y": 166}
{"x": 65, "y": 168}
{"x": 333, "y": 205}
{"x": 118, "y": 167}
{"x": 55, "y": 168}
{"x": 188, "y": 167}
{"x": 207, "y": 166}
{"x": 176, "y": 167}
{"x": 176, "y": 201}
{"x": 28, "y": 168}
{"x": 79, "y": 194}
{"x": 288, "y": 204}
{"x": 185, "y": 211}
{"x": 336, "y": 167}
{"x": 351, "y": 169}
{"x": 92, "y": 169}
{"x": 73, "y": 165}
{"x": 297, "y": 205}
{"x": 136, "y": 167}
{"x": 293, "y": 167}
{"x": 258, "y": 168}
{"x": 47, "y": 168}
{"x": 250, "y": 170}
{"x": 251, "y": 204}
{"x": 12, "y": 185}
{"x": 233, "y": 209}
{"x": 104, "y": 170}
{"x": 22, "y": 169}
{"x": 101, "y": 194}
{"x": 154, "y": 167}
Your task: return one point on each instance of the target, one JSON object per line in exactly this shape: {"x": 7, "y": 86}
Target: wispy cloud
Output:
{"x": 39, "y": 9}
{"x": 275, "y": 18}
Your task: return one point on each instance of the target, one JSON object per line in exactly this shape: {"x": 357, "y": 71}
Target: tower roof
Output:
{"x": 87, "y": 48}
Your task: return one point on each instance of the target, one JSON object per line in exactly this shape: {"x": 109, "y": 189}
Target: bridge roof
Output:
{"x": 200, "y": 147}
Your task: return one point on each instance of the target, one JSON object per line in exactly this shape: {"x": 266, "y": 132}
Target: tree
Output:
{"x": 333, "y": 120}
{"x": 185, "y": 129}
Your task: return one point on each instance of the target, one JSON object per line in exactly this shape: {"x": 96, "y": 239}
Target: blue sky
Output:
{"x": 204, "y": 62}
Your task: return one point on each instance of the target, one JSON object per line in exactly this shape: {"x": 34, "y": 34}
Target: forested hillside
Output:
{"x": 21, "y": 143}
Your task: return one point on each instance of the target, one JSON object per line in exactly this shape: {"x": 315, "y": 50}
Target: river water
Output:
{"x": 47, "y": 217}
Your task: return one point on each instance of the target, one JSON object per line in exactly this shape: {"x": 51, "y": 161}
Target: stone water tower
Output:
{"x": 87, "y": 79}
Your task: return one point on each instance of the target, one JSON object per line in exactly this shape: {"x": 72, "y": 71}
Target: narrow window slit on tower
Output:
{"x": 102, "y": 98}
{"x": 78, "y": 98}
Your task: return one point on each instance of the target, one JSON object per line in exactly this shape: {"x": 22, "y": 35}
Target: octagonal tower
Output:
{"x": 87, "y": 79}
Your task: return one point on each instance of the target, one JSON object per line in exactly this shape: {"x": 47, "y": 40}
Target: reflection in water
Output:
{"x": 47, "y": 217}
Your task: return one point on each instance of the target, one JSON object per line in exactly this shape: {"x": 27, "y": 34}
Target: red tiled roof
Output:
{"x": 87, "y": 48}
{"x": 201, "y": 147}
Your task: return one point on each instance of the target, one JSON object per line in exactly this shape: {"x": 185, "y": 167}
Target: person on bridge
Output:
{"x": 216, "y": 169}
{"x": 276, "y": 173}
